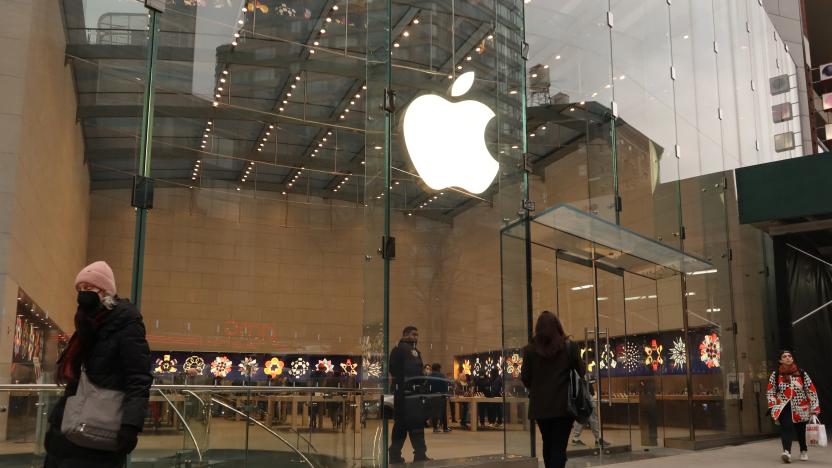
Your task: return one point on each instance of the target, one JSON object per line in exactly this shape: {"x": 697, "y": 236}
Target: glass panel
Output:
{"x": 710, "y": 314}
{"x": 697, "y": 101}
{"x": 614, "y": 403}
{"x": 569, "y": 100}
{"x": 646, "y": 132}
{"x": 567, "y": 219}
{"x": 455, "y": 63}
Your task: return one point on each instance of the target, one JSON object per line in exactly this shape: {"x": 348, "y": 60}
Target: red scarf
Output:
{"x": 788, "y": 370}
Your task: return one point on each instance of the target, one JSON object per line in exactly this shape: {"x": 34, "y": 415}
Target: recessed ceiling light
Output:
{"x": 406, "y": 34}
{"x": 396, "y": 44}
{"x": 225, "y": 72}
{"x": 222, "y": 80}
{"x": 323, "y": 31}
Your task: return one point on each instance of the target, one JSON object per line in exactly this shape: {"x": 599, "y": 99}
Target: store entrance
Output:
{"x": 619, "y": 296}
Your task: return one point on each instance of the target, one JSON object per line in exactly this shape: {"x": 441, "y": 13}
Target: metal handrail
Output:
{"x": 212, "y": 388}
{"x": 184, "y": 423}
{"x": 249, "y": 418}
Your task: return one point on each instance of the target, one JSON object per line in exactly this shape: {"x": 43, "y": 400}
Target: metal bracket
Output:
{"x": 388, "y": 248}
{"x": 527, "y": 162}
{"x": 158, "y": 5}
{"x": 528, "y": 205}
{"x": 610, "y": 19}
{"x": 716, "y": 47}
{"x": 678, "y": 152}
{"x": 619, "y": 204}
{"x": 524, "y": 50}
{"x": 389, "y": 101}
{"x": 142, "y": 192}
{"x": 673, "y": 73}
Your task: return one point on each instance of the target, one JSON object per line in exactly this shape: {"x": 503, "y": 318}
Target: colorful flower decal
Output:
{"x": 466, "y": 367}
{"x": 710, "y": 350}
{"x": 488, "y": 366}
{"x": 373, "y": 368}
{"x": 273, "y": 367}
{"x": 591, "y": 365}
{"x": 165, "y": 365}
{"x": 284, "y": 10}
{"x": 258, "y": 5}
{"x": 221, "y": 366}
{"x": 299, "y": 368}
{"x": 608, "y": 358}
{"x": 678, "y": 353}
{"x": 514, "y": 365}
{"x": 350, "y": 367}
{"x": 196, "y": 363}
{"x": 330, "y": 367}
{"x": 630, "y": 357}
{"x": 248, "y": 367}
{"x": 653, "y": 353}
{"x": 477, "y": 369}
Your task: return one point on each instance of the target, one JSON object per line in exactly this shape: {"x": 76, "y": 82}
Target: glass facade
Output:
{"x": 294, "y": 221}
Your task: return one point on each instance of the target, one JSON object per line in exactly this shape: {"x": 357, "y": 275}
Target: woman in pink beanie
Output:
{"x": 110, "y": 347}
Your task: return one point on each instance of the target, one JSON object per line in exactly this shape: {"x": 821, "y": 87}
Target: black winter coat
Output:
{"x": 405, "y": 363}
{"x": 119, "y": 360}
{"x": 548, "y": 380}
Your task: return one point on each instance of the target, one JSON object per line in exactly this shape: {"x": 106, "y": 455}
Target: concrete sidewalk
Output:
{"x": 753, "y": 455}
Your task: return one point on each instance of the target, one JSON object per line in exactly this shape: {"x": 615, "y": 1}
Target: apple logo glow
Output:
{"x": 446, "y": 140}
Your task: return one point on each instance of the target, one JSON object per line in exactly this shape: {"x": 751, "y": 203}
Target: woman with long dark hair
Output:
{"x": 547, "y": 362}
{"x": 793, "y": 401}
{"x": 109, "y": 351}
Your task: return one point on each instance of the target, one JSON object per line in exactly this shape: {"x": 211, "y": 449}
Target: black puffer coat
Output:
{"x": 119, "y": 360}
{"x": 548, "y": 380}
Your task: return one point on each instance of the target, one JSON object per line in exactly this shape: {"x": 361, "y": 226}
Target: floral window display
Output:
{"x": 653, "y": 353}
{"x": 514, "y": 365}
{"x": 328, "y": 365}
{"x": 710, "y": 350}
{"x": 165, "y": 365}
{"x": 221, "y": 366}
{"x": 273, "y": 367}
{"x": 349, "y": 367}
{"x": 248, "y": 367}
{"x": 678, "y": 353}
{"x": 488, "y": 366}
{"x": 630, "y": 357}
{"x": 373, "y": 368}
{"x": 477, "y": 369}
{"x": 466, "y": 367}
{"x": 195, "y": 363}
{"x": 299, "y": 368}
{"x": 608, "y": 358}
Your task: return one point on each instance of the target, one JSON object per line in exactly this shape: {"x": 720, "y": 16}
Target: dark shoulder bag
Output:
{"x": 579, "y": 401}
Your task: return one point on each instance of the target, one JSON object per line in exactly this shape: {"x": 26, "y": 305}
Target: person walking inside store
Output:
{"x": 793, "y": 401}
{"x": 462, "y": 389}
{"x": 109, "y": 351}
{"x": 578, "y": 428}
{"x": 439, "y": 385}
{"x": 547, "y": 362}
{"x": 405, "y": 369}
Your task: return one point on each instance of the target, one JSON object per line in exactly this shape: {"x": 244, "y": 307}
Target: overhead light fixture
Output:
{"x": 406, "y": 34}
{"x": 234, "y": 43}
{"x": 703, "y": 272}
{"x": 329, "y": 20}
{"x": 323, "y": 31}
{"x": 222, "y": 80}
{"x": 396, "y": 44}
{"x": 225, "y": 72}
{"x": 415, "y": 20}
{"x": 557, "y": 57}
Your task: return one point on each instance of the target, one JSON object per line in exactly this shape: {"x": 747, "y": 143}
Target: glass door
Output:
{"x": 614, "y": 395}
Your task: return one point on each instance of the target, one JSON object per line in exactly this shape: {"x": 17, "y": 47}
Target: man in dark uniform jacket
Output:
{"x": 405, "y": 363}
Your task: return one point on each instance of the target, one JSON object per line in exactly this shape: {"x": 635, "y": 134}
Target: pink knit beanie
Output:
{"x": 100, "y": 275}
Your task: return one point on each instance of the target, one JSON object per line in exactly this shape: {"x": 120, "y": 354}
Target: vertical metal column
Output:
{"x": 145, "y": 146}
{"x": 388, "y": 163}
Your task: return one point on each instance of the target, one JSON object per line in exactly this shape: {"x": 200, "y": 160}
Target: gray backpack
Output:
{"x": 92, "y": 417}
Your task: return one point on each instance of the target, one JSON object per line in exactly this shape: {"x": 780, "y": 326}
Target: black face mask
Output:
{"x": 88, "y": 301}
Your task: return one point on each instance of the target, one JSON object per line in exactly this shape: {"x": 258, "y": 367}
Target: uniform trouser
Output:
{"x": 789, "y": 429}
{"x": 577, "y": 428}
{"x": 401, "y": 431}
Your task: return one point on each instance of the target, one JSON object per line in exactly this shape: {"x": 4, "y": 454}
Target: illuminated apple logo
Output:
{"x": 446, "y": 140}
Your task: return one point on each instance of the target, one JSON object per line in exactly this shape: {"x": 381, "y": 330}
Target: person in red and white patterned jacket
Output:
{"x": 792, "y": 400}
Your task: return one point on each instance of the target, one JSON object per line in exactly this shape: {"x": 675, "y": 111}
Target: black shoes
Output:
{"x": 396, "y": 460}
